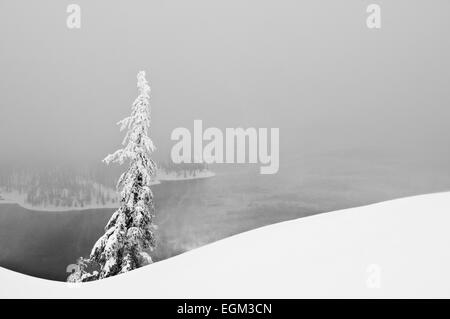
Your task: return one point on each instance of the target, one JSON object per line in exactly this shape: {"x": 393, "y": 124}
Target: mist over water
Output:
{"x": 313, "y": 70}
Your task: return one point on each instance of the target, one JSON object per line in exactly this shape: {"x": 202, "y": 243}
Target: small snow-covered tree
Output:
{"x": 130, "y": 231}
{"x": 82, "y": 273}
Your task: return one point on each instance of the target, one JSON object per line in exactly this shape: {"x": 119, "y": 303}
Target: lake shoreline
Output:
{"x": 16, "y": 198}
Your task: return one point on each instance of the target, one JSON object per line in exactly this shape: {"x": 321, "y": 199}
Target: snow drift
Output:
{"x": 398, "y": 248}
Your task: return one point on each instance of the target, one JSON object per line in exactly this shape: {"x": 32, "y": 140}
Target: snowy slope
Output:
{"x": 398, "y": 248}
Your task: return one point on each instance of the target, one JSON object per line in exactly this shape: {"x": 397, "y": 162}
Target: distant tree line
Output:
{"x": 56, "y": 187}
{"x": 183, "y": 169}
{"x": 75, "y": 187}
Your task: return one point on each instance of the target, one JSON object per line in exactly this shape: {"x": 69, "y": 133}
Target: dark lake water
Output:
{"x": 193, "y": 213}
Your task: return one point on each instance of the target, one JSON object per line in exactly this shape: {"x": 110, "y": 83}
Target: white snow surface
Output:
{"x": 404, "y": 243}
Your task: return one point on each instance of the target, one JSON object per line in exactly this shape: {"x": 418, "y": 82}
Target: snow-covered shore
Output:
{"x": 184, "y": 176}
{"x": 393, "y": 249}
{"x": 18, "y": 198}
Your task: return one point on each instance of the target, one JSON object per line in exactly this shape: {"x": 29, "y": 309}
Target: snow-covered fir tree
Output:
{"x": 131, "y": 231}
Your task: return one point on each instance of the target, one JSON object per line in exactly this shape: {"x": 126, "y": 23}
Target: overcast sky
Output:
{"x": 311, "y": 68}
